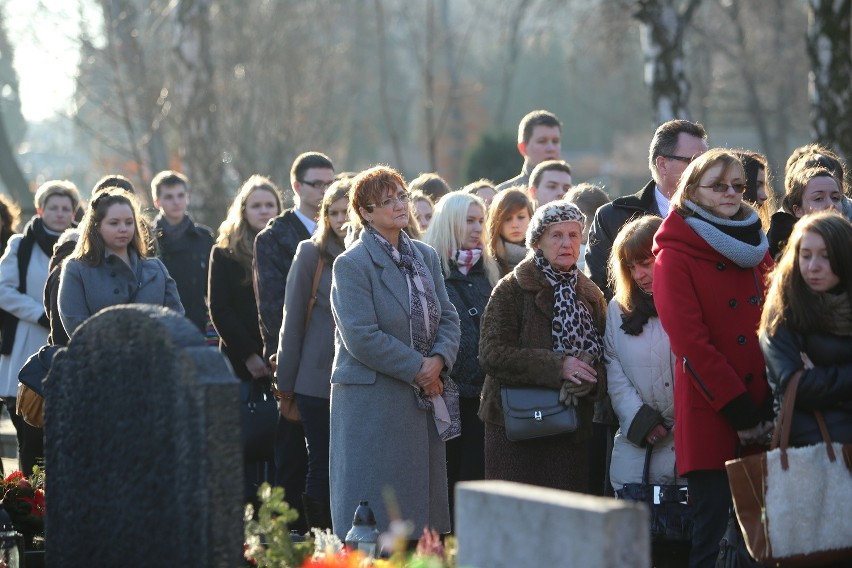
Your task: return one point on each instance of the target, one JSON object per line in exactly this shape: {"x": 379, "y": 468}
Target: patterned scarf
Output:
{"x": 466, "y": 259}
{"x": 424, "y": 318}
{"x": 840, "y": 313}
{"x": 573, "y": 329}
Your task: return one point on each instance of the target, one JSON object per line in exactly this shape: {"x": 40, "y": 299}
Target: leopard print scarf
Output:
{"x": 573, "y": 329}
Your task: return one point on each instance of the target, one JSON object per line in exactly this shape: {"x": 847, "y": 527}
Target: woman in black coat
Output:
{"x": 807, "y": 325}
{"x": 233, "y": 310}
{"x": 457, "y": 233}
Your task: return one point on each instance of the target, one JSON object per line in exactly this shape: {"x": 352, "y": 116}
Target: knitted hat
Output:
{"x": 550, "y": 214}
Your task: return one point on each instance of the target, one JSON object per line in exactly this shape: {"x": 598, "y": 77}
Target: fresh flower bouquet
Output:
{"x": 23, "y": 499}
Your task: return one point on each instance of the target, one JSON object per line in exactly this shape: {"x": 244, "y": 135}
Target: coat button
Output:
{"x": 667, "y": 384}
{"x": 749, "y": 378}
{"x": 753, "y": 300}
{"x": 112, "y": 274}
{"x": 115, "y": 291}
{"x": 720, "y": 266}
{"x": 732, "y": 302}
{"x": 741, "y": 339}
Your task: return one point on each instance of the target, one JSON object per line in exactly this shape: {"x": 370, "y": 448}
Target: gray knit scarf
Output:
{"x": 424, "y": 318}
{"x": 742, "y": 242}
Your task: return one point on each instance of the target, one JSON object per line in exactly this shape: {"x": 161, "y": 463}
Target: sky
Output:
{"x": 43, "y": 34}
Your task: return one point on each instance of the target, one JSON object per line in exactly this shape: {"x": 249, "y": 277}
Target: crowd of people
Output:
{"x": 388, "y": 318}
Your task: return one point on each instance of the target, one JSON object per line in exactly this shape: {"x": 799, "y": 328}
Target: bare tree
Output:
{"x": 830, "y": 52}
{"x": 201, "y": 148}
{"x": 663, "y": 23}
{"x": 10, "y": 171}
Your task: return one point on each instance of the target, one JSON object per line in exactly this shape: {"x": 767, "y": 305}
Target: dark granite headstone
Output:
{"x": 143, "y": 454}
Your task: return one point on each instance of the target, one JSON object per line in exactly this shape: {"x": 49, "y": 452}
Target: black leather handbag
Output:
{"x": 259, "y": 416}
{"x": 535, "y": 412}
{"x": 671, "y": 513}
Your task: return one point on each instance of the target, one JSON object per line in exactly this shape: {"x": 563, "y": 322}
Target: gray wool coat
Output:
{"x": 305, "y": 354}
{"x": 85, "y": 290}
{"x": 379, "y": 437}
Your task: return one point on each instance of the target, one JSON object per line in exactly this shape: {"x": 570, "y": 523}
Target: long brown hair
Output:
{"x": 235, "y": 234}
{"x": 632, "y": 244}
{"x": 790, "y": 301}
{"x": 505, "y": 204}
{"x": 325, "y": 234}
{"x": 91, "y": 248}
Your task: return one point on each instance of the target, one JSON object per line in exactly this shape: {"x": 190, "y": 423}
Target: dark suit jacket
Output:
{"x": 274, "y": 249}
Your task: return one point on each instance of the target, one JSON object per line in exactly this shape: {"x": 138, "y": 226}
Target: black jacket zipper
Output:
{"x": 686, "y": 366}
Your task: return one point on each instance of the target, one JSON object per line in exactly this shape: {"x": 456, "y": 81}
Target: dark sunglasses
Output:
{"x": 722, "y": 187}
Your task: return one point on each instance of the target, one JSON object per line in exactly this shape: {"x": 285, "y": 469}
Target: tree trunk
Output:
{"x": 830, "y": 52}
{"x": 201, "y": 147}
{"x": 384, "y": 96}
{"x": 10, "y": 171}
{"x": 662, "y": 28}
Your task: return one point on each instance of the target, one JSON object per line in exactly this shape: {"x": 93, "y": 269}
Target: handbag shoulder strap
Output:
{"x": 647, "y": 469}
{"x": 781, "y": 434}
{"x": 313, "y": 298}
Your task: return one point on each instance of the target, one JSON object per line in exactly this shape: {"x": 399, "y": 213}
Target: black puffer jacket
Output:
{"x": 469, "y": 294}
{"x": 827, "y": 387}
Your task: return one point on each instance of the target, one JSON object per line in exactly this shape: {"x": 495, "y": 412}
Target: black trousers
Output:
{"x": 291, "y": 467}
{"x": 710, "y": 496}
{"x": 30, "y": 440}
{"x": 466, "y": 453}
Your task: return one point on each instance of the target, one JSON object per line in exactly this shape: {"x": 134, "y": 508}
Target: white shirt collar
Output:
{"x": 663, "y": 203}
{"x": 309, "y": 223}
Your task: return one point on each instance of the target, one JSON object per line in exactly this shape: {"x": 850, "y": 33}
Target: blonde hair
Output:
{"x": 56, "y": 187}
{"x": 446, "y": 232}
{"x": 235, "y": 234}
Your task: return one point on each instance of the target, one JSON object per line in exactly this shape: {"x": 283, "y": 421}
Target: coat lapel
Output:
{"x": 389, "y": 274}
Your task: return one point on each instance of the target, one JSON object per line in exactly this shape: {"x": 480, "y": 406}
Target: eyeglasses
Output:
{"x": 402, "y": 198}
{"x": 684, "y": 159}
{"x": 317, "y": 184}
{"x": 722, "y": 187}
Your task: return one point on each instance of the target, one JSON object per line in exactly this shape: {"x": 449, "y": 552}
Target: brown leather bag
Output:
{"x": 287, "y": 406}
{"x": 30, "y": 406}
{"x": 749, "y": 479}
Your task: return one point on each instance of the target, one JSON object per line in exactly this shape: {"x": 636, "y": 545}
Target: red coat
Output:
{"x": 710, "y": 308}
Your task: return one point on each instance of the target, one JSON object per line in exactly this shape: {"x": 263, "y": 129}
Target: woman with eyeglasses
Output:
{"x": 393, "y": 405}
{"x": 711, "y": 259}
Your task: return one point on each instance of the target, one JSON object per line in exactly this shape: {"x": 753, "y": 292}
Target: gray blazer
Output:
{"x": 305, "y": 355}
{"x": 379, "y": 437}
{"x": 85, "y": 290}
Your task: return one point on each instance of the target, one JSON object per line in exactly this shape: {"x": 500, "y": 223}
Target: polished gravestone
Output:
{"x": 142, "y": 452}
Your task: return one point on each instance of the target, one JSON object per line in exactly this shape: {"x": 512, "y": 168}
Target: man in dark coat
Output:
{"x": 539, "y": 139}
{"x": 673, "y": 147}
{"x": 183, "y": 245}
{"x": 274, "y": 248}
